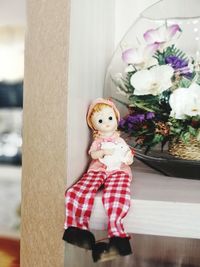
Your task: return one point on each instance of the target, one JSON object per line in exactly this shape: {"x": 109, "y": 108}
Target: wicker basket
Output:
{"x": 190, "y": 150}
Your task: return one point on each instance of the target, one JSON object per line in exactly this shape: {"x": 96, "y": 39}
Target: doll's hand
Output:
{"x": 99, "y": 154}
{"x": 108, "y": 152}
{"x": 128, "y": 158}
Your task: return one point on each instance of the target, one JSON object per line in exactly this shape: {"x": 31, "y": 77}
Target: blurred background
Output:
{"x": 12, "y": 32}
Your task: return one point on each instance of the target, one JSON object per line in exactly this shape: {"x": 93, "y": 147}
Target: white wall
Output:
{"x": 91, "y": 45}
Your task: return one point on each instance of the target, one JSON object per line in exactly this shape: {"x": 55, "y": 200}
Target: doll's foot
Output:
{"x": 101, "y": 252}
{"x": 117, "y": 246}
{"x": 79, "y": 237}
{"x": 121, "y": 245}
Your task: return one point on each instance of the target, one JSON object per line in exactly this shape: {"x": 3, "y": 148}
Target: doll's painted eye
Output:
{"x": 110, "y": 118}
{"x": 100, "y": 121}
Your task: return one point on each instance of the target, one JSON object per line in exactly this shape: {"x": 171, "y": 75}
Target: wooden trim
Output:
{"x": 44, "y": 133}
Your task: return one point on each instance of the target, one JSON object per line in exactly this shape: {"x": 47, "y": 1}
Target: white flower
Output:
{"x": 153, "y": 81}
{"x": 185, "y": 102}
{"x": 140, "y": 56}
{"x": 162, "y": 35}
{"x": 128, "y": 69}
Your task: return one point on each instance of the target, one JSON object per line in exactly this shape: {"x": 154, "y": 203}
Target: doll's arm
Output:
{"x": 98, "y": 154}
{"x": 129, "y": 157}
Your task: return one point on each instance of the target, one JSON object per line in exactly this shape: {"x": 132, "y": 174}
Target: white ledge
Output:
{"x": 160, "y": 205}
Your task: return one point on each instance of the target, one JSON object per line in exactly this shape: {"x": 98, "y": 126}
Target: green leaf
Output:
{"x": 184, "y": 82}
{"x": 198, "y": 135}
{"x": 192, "y": 131}
{"x": 198, "y": 78}
{"x": 169, "y": 51}
{"x": 146, "y": 102}
{"x": 185, "y": 136}
{"x": 175, "y": 130}
{"x": 158, "y": 138}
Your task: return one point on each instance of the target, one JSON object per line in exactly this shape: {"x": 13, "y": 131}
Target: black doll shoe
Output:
{"x": 79, "y": 237}
{"x": 121, "y": 245}
{"x": 100, "y": 251}
{"x": 117, "y": 246}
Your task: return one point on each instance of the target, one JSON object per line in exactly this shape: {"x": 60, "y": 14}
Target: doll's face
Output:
{"x": 104, "y": 120}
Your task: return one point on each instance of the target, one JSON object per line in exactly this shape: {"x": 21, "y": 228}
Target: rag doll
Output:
{"x": 109, "y": 167}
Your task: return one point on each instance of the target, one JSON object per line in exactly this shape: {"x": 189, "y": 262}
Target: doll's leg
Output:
{"x": 116, "y": 200}
{"x": 79, "y": 201}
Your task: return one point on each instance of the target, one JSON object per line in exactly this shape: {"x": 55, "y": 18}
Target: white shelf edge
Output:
{"x": 163, "y": 218}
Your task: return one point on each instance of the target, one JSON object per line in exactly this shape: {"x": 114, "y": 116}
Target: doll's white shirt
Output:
{"x": 96, "y": 165}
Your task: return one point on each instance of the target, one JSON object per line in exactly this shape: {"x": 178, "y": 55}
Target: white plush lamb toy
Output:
{"x": 114, "y": 161}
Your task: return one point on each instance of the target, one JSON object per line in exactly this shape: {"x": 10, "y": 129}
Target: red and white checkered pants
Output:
{"x": 79, "y": 200}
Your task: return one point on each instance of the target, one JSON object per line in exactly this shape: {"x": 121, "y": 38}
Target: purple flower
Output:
{"x": 178, "y": 64}
{"x": 139, "y": 55}
{"x": 130, "y": 126}
{"x": 138, "y": 118}
{"x": 150, "y": 115}
{"x": 122, "y": 123}
{"x": 162, "y": 34}
{"x": 132, "y": 121}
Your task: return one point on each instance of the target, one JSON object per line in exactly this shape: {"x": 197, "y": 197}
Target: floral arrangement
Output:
{"x": 162, "y": 85}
